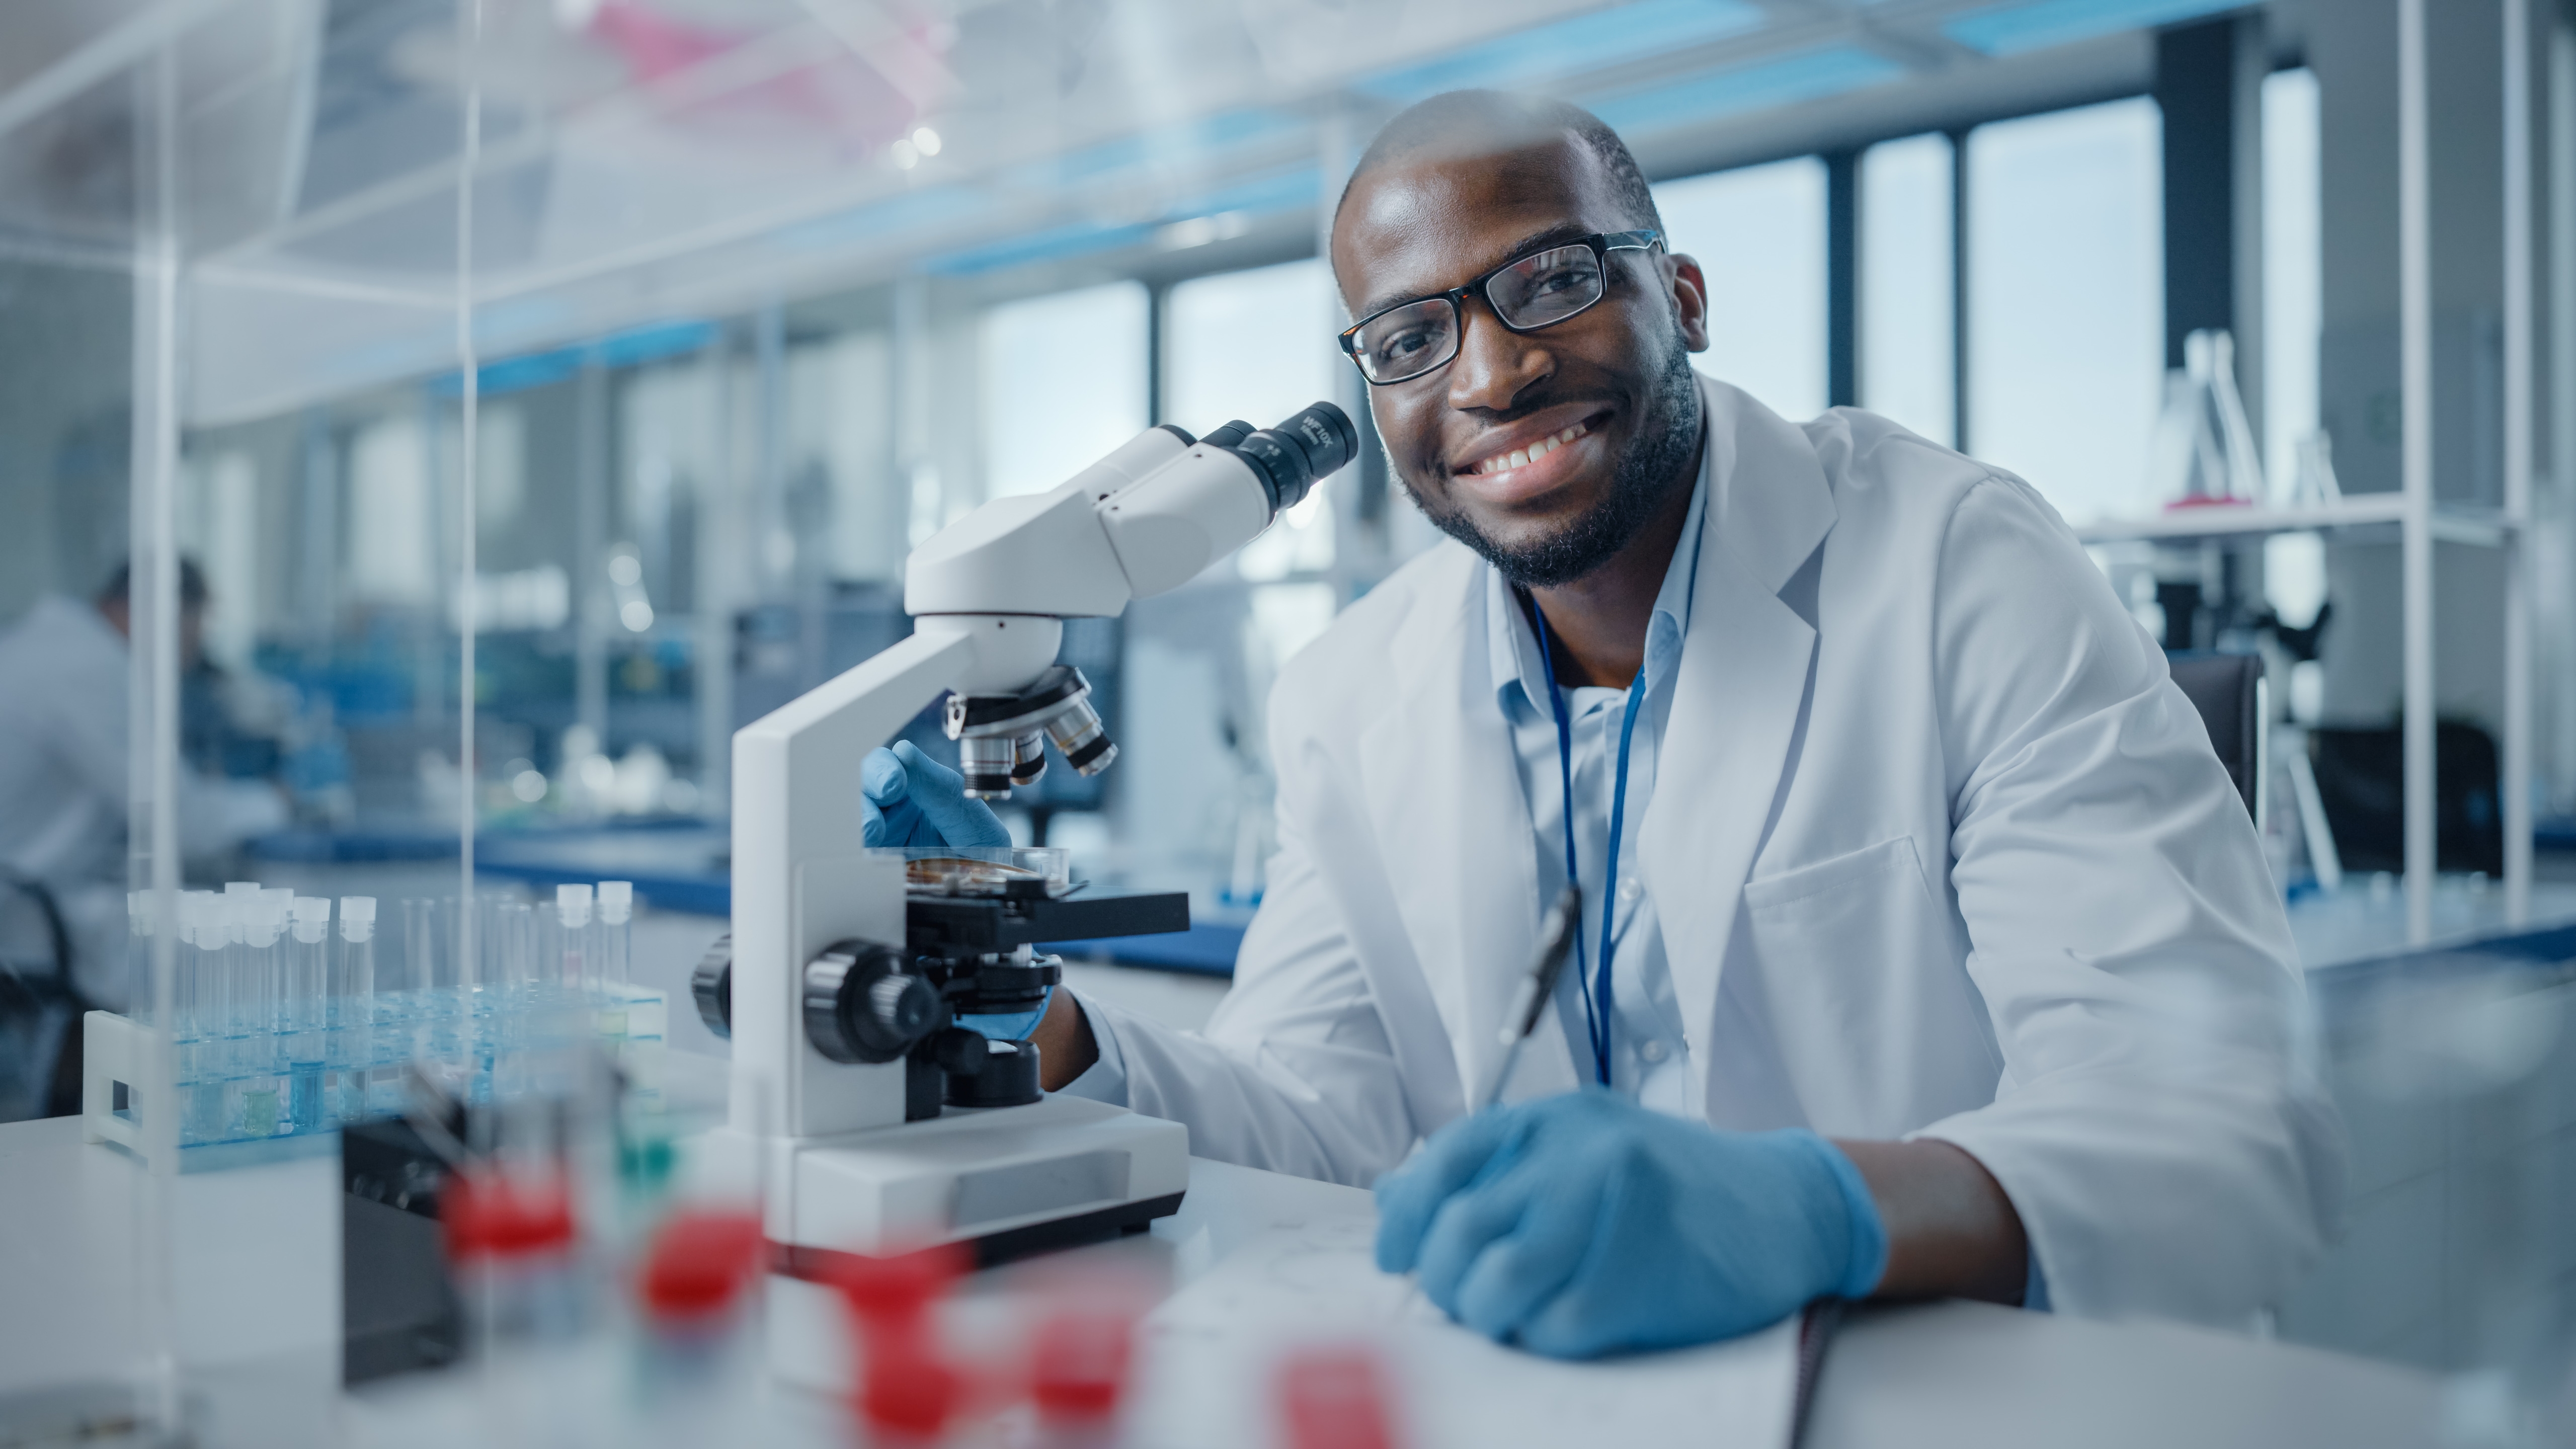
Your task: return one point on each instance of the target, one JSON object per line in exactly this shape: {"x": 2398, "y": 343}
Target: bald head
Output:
{"x": 1472, "y": 126}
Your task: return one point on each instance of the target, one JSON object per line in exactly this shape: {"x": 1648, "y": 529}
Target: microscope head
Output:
{"x": 1143, "y": 520}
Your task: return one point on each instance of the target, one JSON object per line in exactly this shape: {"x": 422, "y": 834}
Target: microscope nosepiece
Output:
{"x": 1001, "y": 739}
{"x": 1028, "y": 759}
{"x": 1081, "y": 738}
{"x": 987, "y": 762}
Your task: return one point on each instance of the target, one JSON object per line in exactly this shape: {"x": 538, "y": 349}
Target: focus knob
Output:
{"x": 712, "y": 985}
{"x": 862, "y": 1006}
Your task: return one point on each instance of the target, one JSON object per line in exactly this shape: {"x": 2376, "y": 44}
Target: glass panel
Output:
{"x": 1759, "y": 236}
{"x": 1908, "y": 340}
{"x": 2294, "y": 564}
{"x": 1045, "y": 414}
{"x": 2066, "y": 301}
{"x": 2293, "y": 275}
{"x": 1258, "y": 345}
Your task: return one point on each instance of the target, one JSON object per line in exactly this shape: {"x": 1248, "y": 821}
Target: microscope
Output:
{"x": 877, "y": 1122}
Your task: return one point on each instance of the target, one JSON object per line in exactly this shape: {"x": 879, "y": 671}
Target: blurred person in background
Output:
{"x": 66, "y": 771}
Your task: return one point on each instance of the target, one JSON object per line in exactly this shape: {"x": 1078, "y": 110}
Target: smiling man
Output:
{"x": 1926, "y": 947}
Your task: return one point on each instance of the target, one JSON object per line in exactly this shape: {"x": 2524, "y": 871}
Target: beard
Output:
{"x": 1641, "y": 483}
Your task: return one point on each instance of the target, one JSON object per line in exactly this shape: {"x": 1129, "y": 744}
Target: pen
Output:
{"x": 1555, "y": 942}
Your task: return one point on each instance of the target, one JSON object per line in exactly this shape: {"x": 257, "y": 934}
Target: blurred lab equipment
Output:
{"x": 1336, "y": 1398}
{"x": 835, "y": 949}
{"x": 2204, "y": 452}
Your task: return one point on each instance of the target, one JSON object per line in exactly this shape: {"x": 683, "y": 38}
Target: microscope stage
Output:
{"x": 1010, "y": 1181}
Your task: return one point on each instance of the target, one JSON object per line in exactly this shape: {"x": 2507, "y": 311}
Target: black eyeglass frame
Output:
{"x": 1602, "y": 243}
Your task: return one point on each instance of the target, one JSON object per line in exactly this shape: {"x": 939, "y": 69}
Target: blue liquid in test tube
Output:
{"x": 308, "y": 998}
{"x": 353, "y": 1053}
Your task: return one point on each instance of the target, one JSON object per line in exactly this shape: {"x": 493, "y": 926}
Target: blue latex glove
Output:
{"x": 1008, "y": 1025}
{"x": 1585, "y": 1224}
{"x": 908, "y": 798}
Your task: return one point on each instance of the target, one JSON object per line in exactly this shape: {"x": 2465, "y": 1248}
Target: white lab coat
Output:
{"x": 64, "y": 773}
{"x": 1938, "y": 848}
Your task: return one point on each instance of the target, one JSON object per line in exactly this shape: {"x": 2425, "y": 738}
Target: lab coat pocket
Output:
{"x": 1879, "y": 1028}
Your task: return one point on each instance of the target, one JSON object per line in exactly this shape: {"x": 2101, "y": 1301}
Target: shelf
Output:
{"x": 2484, "y": 527}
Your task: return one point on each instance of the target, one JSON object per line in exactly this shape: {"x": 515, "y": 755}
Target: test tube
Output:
{"x": 262, "y": 923}
{"x": 514, "y": 950}
{"x": 138, "y": 957}
{"x": 308, "y": 1009}
{"x": 233, "y": 1009}
{"x": 203, "y": 980}
{"x": 616, "y": 931}
{"x": 419, "y": 944}
{"x": 353, "y": 1004}
{"x": 614, "y": 940}
{"x": 572, "y": 904}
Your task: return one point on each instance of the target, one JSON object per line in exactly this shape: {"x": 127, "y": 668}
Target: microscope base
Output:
{"x": 1010, "y": 1181}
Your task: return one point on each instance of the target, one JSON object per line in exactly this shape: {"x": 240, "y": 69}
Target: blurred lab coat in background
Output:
{"x": 65, "y": 772}
{"x": 1938, "y": 849}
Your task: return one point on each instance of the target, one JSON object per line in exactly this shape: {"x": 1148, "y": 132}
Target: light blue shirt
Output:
{"x": 1649, "y": 1055}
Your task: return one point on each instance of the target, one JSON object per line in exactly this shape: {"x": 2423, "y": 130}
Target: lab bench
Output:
{"x": 261, "y": 1242}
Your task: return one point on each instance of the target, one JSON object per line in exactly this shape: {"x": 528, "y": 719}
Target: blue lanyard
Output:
{"x": 1598, "y": 1001}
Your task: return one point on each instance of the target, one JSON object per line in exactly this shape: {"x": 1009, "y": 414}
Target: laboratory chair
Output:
{"x": 2227, "y": 689}
{"x": 40, "y": 1006}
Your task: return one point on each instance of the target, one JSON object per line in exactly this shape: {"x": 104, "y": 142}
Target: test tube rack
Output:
{"x": 284, "y": 1030}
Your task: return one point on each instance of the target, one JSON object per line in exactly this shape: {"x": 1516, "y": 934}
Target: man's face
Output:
{"x": 1615, "y": 377}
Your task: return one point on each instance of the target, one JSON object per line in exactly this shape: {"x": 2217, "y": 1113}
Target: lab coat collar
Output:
{"x": 1737, "y": 695}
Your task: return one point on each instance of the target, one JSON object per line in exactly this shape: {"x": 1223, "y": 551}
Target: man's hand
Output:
{"x": 1584, "y": 1224}
{"x": 908, "y": 798}
{"x": 1066, "y": 1047}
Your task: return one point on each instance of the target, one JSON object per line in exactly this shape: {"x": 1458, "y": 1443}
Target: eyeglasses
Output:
{"x": 1542, "y": 289}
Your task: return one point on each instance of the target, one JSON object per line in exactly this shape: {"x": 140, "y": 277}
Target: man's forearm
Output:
{"x": 1065, "y": 1045}
{"x": 1951, "y": 1232}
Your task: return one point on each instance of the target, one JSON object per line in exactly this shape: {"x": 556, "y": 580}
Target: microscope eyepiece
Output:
{"x": 1311, "y": 444}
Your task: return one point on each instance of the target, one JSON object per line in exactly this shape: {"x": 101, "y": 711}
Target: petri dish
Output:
{"x": 954, "y": 870}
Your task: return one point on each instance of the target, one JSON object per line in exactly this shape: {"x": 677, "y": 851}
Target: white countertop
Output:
{"x": 257, "y": 1275}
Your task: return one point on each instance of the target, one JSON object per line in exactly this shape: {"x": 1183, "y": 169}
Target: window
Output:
{"x": 391, "y": 554}
{"x": 1759, "y": 236}
{"x": 219, "y": 521}
{"x": 1257, "y": 345}
{"x": 1908, "y": 361}
{"x": 2066, "y": 301}
{"x": 840, "y": 419}
{"x": 1064, "y": 382}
